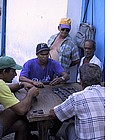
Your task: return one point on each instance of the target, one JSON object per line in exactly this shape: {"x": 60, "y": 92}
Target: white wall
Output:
{"x": 30, "y": 22}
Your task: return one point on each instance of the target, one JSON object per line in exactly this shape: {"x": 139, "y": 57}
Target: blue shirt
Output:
{"x": 32, "y": 70}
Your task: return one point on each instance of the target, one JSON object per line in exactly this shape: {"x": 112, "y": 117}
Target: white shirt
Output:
{"x": 94, "y": 60}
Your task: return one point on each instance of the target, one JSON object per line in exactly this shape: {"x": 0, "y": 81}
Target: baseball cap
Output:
{"x": 42, "y": 47}
{"x": 65, "y": 23}
{"x": 8, "y": 62}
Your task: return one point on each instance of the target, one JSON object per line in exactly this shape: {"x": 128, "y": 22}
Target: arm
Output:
{"x": 64, "y": 77}
{"x": 16, "y": 86}
{"x": 73, "y": 63}
{"x": 52, "y": 113}
{"x": 25, "y": 79}
{"x": 65, "y": 110}
{"x": 24, "y": 106}
{"x": 75, "y": 57}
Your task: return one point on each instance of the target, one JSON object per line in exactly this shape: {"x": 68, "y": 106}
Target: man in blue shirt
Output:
{"x": 43, "y": 70}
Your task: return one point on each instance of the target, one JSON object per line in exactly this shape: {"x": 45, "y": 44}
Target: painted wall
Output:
{"x": 30, "y": 22}
{"x": 0, "y": 22}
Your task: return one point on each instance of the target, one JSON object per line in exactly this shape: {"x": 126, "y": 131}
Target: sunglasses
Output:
{"x": 65, "y": 29}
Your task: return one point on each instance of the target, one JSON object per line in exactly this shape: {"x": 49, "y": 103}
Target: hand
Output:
{"x": 38, "y": 84}
{"x": 55, "y": 81}
{"x": 26, "y": 85}
{"x": 52, "y": 113}
{"x": 33, "y": 91}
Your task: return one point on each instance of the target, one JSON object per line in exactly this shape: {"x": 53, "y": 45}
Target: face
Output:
{"x": 64, "y": 31}
{"x": 88, "y": 49}
{"x": 9, "y": 76}
{"x": 43, "y": 57}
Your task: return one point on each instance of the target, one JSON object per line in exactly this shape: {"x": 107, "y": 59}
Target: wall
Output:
{"x": 30, "y": 22}
{"x": 0, "y": 23}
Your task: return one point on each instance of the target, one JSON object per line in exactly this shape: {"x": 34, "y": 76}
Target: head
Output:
{"x": 90, "y": 74}
{"x": 64, "y": 26}
{"x": 8, "y": 68}
{"x": 42, "y": 52}
{"x": 89, "y": 48}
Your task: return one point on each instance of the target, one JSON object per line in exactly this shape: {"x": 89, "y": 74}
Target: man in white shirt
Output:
{"x": 89, "y": 56}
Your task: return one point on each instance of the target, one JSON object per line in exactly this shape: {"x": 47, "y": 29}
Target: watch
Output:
{"x": 63, "y": 78}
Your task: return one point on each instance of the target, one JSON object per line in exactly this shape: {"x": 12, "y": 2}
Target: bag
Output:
{"x": 86, "y": 31}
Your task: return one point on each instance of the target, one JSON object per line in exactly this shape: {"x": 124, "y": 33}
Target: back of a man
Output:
{"x": 87, "y": 107}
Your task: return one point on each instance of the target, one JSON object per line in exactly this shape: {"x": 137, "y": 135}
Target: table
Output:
{"x": 45, "y": 101}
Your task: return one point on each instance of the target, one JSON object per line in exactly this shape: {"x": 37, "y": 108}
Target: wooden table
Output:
{"x": 45, "y": 101}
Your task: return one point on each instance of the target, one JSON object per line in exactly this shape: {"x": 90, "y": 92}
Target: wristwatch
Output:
{"x": 63, "y": 78}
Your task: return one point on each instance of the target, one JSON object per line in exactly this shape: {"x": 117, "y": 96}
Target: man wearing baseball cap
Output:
{"x": 11, "y": 119}
{"x": 62, "y": 47}
{"x": 43, "y": 70}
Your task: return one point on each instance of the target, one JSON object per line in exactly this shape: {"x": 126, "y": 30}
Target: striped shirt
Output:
{"x": 88, "y": 107}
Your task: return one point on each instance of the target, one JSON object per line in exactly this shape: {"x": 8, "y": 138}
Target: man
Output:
{"x": 62, "y": 48}
{"x": 43, "y": 70}
{"x": 11, "y": 118}
{"x": 86, "y": 106}
{"x": 89, "y": 56}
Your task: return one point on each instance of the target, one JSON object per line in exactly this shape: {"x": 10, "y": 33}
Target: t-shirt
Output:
{"x": 32, "y": 70}
{"x": 93, "y": 60}
{"x": 7, "y": 98}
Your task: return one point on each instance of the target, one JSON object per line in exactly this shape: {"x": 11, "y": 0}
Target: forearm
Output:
{"x": 65, "y": 76}
{"x": 52, "y": 113}
{"x": 73, "y": 63}
{"x": 23, "y": 106}
{"x": 15, "y": 86}
{"x": 24, "y": 79}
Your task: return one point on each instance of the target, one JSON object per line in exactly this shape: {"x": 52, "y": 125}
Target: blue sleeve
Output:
{"x": 58, "y": 69}
{"x": 25, "y": 70}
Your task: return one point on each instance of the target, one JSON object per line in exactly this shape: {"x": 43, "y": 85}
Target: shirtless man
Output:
{"x": 62, "y": 48}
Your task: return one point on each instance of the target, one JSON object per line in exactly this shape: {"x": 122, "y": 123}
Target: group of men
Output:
{"x": 51, "y": 66}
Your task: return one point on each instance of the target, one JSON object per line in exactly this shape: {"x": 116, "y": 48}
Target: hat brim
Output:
{"x": 65, "y": 26}
{"x": 16, "y": 67}
{"x": 43, "y": 49}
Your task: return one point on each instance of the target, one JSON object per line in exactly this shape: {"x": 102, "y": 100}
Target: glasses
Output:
{"x": 65, "y": 29}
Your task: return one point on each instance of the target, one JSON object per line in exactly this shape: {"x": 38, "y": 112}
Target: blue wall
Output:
{"x": 96, "y": 16}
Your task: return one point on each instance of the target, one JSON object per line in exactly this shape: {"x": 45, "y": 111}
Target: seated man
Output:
{"x": 43, "y": 70}
{"x": 12, "y": 118}
{"x": 89, "y": 56}
{"x": 87, "y": 107}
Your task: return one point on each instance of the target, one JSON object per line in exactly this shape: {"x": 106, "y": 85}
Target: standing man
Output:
{"x": 89, "y": 56}
{"x": 11, "y": 118}
{"x": 43, "y": 70}
{"x": 62, "y": 48}
{"x": 87, "y": 107}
